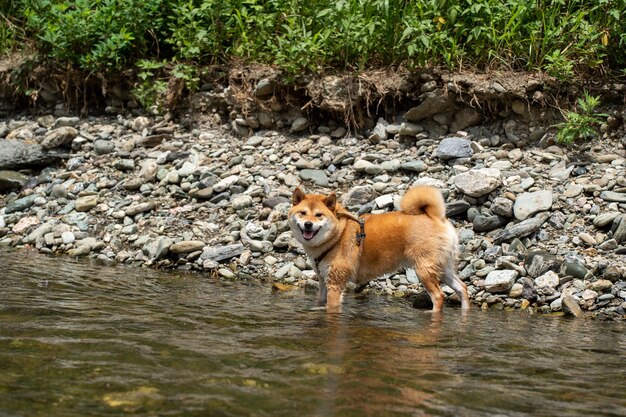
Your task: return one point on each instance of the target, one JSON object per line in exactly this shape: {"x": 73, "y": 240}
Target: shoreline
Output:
{"x": 538, "y": 224}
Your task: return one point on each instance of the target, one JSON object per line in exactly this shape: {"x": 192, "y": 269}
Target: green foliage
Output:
{"x": 562, "y": 37}
{"x": 150, "y": 87}
{"x": 93, "y": 34}
{"x": 580, "y": 125}
{"x": 566, "y": 38}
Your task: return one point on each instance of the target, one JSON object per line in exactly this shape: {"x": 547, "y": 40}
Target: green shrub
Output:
{"x": 580, "y": 125}
{"x": 94, "y": 34}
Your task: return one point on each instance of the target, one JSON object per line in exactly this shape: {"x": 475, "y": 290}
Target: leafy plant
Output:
{"x": 150, "y": 87}
{"x": 580, "y": 125}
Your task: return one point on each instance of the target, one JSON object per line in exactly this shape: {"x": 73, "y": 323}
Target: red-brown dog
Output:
{"x": 418, "y": 237}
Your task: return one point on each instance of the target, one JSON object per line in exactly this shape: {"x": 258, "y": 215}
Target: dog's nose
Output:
{"x": 308, "y": 225}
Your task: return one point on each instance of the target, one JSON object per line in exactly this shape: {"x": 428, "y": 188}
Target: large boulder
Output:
{"x": 15, "y": 154}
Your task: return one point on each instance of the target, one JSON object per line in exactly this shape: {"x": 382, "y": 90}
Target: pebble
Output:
{"x": 86, "y": 203}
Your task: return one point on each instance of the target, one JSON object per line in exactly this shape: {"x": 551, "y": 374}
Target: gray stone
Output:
{"x": 487, "y": 223}
{"x": 521, "y": 229}
{"x": 140, "y": 208}
{"x": 205, "y": 193}
{"x": 390, "y": 166}
{"x": 601, "y": 285}
{"x": 125, "y": 164}
{"x": 187, "y": 169}
{"x": 15, "y": 154}
{"x": 457, "y": 207}
{"x": 570, "y": 307}
{"x": 140, "y": 123}
{"x": 560, "y": 171}
{"x": 317, "y": 176}
{"x": 500, "y": 281}
{"x": 361, "y": 165}
{"x": 263, "y": 246}
{"x": 264, "y": 88}
{"x": 148, "y": 170}
{"x": 613, "y": 196}
{"x": 549, "y": 279}
{"x": 81, "y": 250}
{"x": 103, "y": 147}
{"x": 300, "y": 124}
{"x": 58, "y": 191}
{"x": 222, "y": 253}
{"x": 516, "y": 290}
{"x": 574, "y": 190}
{"x": 528, "y": 204}
{"x": 67, "y": 237}
{"x": 452, "y": 148}
{"x": 21, "y": 204}
{"x": 435, "y": 102}
{"x": 358, "y": 196}
{"x": 620, "y": 233}
{"x": 379, "y": 132}
{"x": 157, "y": 248}
{"x": 604, "y": 219}
{"x": 86, "y": 203}
{"x": 502, "y": 206}
{"x": 414, "y": 166}
{"x": 12, "y": 180}
{"x": 226, "y": 183}
{"x": 538, "y": 263}
{"x": 67, "y": 121}
{"x": 59, "y": 137}
{"x": 478, "y": 182}
{"x": 410, "y": 129}
{"x": 384, "y": 201}
{"x": 186, "y": 246}
{"x": 241, "y": 201}
{"x": 574, "y": 268}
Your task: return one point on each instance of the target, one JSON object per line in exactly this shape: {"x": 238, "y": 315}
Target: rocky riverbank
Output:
{"x": 542, "y": 227}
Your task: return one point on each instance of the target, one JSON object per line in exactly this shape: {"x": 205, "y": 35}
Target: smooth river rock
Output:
{"x": 528, "y": 204}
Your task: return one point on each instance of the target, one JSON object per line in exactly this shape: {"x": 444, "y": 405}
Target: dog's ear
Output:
{"x": 297, "y": 197}
{"x": 331, "y": 201}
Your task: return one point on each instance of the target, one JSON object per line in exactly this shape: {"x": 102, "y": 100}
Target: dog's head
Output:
{"x": 312, "y": 217}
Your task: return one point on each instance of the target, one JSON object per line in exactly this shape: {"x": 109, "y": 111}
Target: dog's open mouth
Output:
{"x": 309, "y": 234}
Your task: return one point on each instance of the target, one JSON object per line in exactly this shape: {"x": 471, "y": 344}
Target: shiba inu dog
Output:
{"x": 345, "y": 248}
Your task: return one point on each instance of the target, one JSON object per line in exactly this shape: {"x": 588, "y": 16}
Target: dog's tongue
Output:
{"x": 308, "y": 234}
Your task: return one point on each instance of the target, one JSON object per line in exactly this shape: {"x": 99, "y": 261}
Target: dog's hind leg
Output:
{"x": 450, "y": 278}
{"x": 429, "y": 276}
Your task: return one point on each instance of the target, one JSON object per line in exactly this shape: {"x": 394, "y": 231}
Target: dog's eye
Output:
{"x": 303, "y": 213}
{"x": 319, "y": 215}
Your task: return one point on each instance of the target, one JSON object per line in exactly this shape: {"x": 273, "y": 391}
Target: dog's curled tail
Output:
{"x": 423, "y": 199}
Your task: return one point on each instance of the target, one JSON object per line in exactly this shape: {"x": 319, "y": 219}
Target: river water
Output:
{"x": 81, "y": 339}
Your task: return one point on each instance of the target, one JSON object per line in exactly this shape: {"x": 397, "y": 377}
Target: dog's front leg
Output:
{"x": 322, "y": 292}
{"x": 334, "y": 299}
{"x": 338, "y": 278}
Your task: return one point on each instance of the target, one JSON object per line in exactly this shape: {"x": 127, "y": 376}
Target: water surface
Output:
{"x": 80, "y": 339}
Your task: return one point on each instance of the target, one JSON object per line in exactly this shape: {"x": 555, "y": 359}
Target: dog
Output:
{"x": 345, "y": 248}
